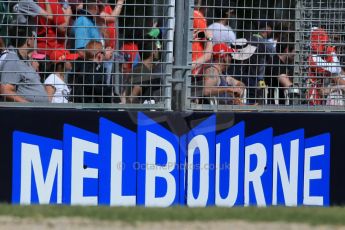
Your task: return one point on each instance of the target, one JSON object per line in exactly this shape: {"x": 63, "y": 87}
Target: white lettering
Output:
{"x": 289, "y": 183}
{"x": 234, "y": 152}
{"x": 116, "y": 197}
{"x": 153, "y": 142}
{"x": 311, "y": 175}
{"x": 259, "y": 150}
{"x": 78, "y": 172}
{"x": 30, "y": 156}
{"x": 198, "y": 142}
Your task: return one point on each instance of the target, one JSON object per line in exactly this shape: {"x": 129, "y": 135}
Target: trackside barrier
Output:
{"x": 153, "y": 166}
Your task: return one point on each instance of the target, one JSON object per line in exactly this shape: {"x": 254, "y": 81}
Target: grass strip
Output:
{"x": 308, "y": 215}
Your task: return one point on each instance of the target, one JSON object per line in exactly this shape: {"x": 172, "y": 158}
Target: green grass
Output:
{"x": 310, "y": 215}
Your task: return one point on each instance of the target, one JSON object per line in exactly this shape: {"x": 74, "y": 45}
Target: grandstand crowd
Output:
{"x": 68, "y": 51}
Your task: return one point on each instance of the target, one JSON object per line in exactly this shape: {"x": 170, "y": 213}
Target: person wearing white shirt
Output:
{"x": 222, "y": 32}
{"x": 55, "y": 85}
{"x": 57, "y": 88}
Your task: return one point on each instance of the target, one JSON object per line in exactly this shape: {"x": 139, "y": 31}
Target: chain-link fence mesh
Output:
{"x": 266, "y": 55}
{"x": 234, "y": 54}
{"x": 93, "y": 53}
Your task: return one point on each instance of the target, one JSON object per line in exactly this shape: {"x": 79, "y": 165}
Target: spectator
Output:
{"x": 21, "y": 11}
{"x": 55, "y": 85}
{"x": 109, "y": 17}
{"x": 221, "y": 30}
{"x": 279, "y": 73}
{"x": 19, "y": 81}
{"x": 85, "y": 28}
{"x": 281, "y": 30}
{"x": 202, "y": 43}
{"x": 323, "y": 64}
{"x": 145, "y": 83}
{"x": 31, "y": 8}
{"x": 130, "y": 49}
{"x": 89, "y": 79}
{"x": 51, "y": 33}
{"x": 75, "y": 5}
{"x": 216, "y": 84}
{"x": 244, "y": 66}
{"x": 265, "y": 45}
{"x": 335, "y": 93}
{"x": 265, "y": 33}
{"x": 39, "y": 63}
{"x": 261, "y": 58}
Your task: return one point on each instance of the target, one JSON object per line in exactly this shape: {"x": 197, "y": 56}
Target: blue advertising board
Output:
{"x": 149, "y": 163}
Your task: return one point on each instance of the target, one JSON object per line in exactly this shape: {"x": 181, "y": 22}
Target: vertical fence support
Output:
{"x": 298, "y": 46}
{"x": 170, "y": 50}
{"x": 180, "y": 54}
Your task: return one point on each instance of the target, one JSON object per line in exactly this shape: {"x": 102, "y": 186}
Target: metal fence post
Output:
{"x": 180, "y": 55}
{"x": 298, "y": 46}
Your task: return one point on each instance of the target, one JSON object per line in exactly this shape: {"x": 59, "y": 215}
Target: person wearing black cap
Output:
{"x": 19, "y": 80}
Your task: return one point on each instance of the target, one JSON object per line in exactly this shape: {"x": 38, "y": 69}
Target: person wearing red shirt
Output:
{"x": 202, "y": 42}
{"x": 323, "y": 63}
{"x": 51, "y": 33}
{"x": 110, "y": 16}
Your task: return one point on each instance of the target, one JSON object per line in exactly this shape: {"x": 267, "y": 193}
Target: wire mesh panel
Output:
{"x": 92, "y": 53}
{"x": 243, "y": 54}
{"x": 266, "y": 55}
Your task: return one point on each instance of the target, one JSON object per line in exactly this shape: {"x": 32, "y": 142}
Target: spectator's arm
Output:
{"x": 108, "y": 53}
{"x": 210, "y": 82}
{"x": 136, "y": 91}
{"x": 68, "y": 14}
{"x": 115, "y": 13}
{"x": 118, "y": 8}
{"x": 212, "y": 89}
{"x": 284, "y": 80}
{"x": 339, "y": 80}
{"x": 29, "y": 7}
{"x": 47, "y": 13}
{"x": 50, "y": 91}
{"x": 239, "y": 86}
{"x": 8, "y": 91}
{"x": 60, "y": 16}
{"x": 207, "y": 52}
{"x": 81, "y": 53}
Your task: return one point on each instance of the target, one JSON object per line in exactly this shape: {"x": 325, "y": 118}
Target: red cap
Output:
{"x": 62, "y": 55}
{"x": 221, "y": 49}
{"x": 199, "y": 22}
{"x": 130, "y": 51}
